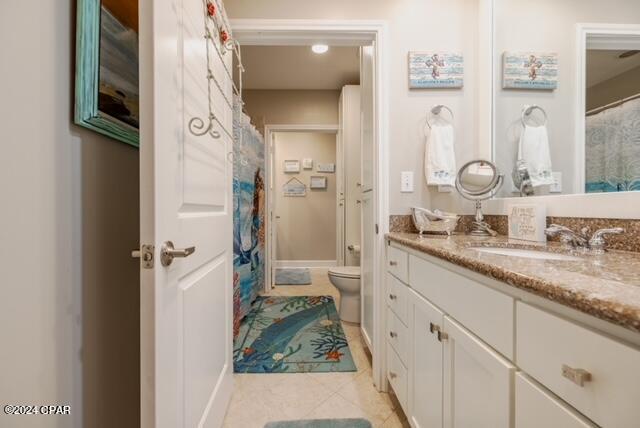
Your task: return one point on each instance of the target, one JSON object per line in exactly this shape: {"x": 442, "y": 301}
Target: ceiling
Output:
{"x": 297, "y": 67}
{"x": 604, "y": 64}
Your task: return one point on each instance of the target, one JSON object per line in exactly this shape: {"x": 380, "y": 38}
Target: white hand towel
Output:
{"x": 534, "y": 151}
{"x": 440, "y": 157}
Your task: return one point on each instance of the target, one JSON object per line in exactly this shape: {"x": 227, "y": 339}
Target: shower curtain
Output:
{"x": 613, "y": 149}
{"x": 248, "y": 215}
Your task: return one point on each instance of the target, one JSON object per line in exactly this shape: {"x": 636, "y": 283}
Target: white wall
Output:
{"x": 69, "y": 296}
{"x": 547, "y": 26}
{"x": 413, "y": 25}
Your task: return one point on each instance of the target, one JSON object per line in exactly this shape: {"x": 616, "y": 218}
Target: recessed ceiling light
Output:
{"x": 319, "y": 49}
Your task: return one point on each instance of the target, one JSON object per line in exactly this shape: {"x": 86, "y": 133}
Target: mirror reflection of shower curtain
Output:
{"x": 612, "y": 152}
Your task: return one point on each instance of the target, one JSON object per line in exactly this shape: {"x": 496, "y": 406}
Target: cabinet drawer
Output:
{"x": 535, "y": 408}
{"x": 397, "y": 298}
{"x": 484, "y": 311}
{"x": 397, "y": 263}
{"x": 397, "y": 336}
{"x": 397, "y": 375}
{"x": 553, "y": 350}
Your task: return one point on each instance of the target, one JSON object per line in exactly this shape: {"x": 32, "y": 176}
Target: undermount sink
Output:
{"x": 529, "y": 254}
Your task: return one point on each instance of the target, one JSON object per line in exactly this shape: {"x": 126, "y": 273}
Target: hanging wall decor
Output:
{"x": 428, "y": 70}
{"x": 294, "y": 187}
{"x": 106, "y": 87}
{"x": 318, "y": 182}
{"x": 326, "y": 167}
{"x": 291, "y": 166}
{"x": 307, "y": 163}
{"x": 530, "y": 70}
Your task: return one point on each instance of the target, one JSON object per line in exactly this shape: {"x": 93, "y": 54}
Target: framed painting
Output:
{"x": 530, "y": 70}
{"x": 107, "y": 89}
{"x": 434, "y": 70}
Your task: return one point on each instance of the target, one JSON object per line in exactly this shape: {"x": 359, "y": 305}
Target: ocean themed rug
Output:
{"x": 321, "y": 423}
{"x": 292, "y": 335}
{"x": 293, "y": 276}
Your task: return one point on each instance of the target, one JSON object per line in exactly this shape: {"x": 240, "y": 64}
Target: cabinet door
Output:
{"x": 478, "y": 382}
{"x": 425, "y": 382}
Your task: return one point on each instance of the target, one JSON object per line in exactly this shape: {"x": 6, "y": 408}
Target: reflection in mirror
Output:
{"x": 612, "y": 126}
{"x": 553, "y": 91}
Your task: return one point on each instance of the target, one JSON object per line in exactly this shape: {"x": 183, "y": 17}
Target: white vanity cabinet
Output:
{"x": 464, "y": 353}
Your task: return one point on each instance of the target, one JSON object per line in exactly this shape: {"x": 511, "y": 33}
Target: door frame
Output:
{"x": 292, "y": 32}
{"x": 269, "y": 153}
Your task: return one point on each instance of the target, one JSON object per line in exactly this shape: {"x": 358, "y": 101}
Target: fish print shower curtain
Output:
{"x": 613, "y": 149}
{"x": 249, "y": 215}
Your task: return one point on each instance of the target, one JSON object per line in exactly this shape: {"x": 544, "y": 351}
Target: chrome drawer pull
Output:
{"x": 393, "y": 334}
{"x": 433, "y": 327}
{"x": 393, "y": 296}
{"x": 393, "y": 263}
{"x": 392, "y": 375}
{"x": 577, "y": 376}
{"x": 442, "y": 336}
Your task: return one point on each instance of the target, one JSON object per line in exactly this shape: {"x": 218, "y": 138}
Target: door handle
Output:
{"x": 168, "y": 253}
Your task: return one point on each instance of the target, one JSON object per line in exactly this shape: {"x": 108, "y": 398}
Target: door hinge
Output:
{"x": 377, "y": 229}
{"x": 145, "y": 254}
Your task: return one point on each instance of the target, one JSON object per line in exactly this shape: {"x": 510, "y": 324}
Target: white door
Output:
{"x": 366, "y": 268}
{"x": 478, "y": 383}
{"x": 185, "y": 197}
{"x": 425, "y": 384}
{"x": 367, "y": 98}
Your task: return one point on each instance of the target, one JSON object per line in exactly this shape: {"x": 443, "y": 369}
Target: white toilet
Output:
{"x": 347, "y": 280}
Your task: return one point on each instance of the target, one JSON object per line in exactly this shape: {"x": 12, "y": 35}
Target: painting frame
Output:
{"x": 318, "y": 182}
{"x": 530, "y": 70}
{"x": 291, "y": 166}
{"x": 447, "y": 69}
{"x": 87, "y": 82}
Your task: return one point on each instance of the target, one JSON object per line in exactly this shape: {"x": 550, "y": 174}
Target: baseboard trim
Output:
{"x": 305, "y": 263}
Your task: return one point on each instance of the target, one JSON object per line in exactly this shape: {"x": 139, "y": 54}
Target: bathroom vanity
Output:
{"x": 482, "y": 339}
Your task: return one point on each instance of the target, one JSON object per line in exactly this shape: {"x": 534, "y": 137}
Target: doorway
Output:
{"x": 370, "y": 35}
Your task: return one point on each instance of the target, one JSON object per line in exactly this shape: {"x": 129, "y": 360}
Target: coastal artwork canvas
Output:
{"x": 430, "y": 70}
{"x": 530, "y": 70}
{"x": 248, "y": 219}
{"x": 118, "y": 92}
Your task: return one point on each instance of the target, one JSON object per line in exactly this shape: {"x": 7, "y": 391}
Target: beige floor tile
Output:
{"x": 396, "y": 421}
{"x": 363, "y": 394}
{"x": 337, "y": 407}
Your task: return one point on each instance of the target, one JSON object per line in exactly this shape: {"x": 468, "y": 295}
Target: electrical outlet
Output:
{"x": 406, "y": 181}
{"x": 556, "y": 187}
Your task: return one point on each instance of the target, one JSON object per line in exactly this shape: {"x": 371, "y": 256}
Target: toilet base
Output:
{"x": 350, "y": 308}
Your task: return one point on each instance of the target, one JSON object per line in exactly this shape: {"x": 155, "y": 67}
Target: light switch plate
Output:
{"x": 406, "y": 181}
{"x": 556, "y": 187}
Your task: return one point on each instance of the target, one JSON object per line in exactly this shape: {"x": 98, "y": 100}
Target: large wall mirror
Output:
{"x": 567, "y": 96}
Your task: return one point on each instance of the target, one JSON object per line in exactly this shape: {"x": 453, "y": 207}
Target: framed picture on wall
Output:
{"x": 326, "y": 167}
{"x": 530, "y": 70}
{"x": 307, "y": 163}
{"x": 291, "y": 166}
{"x": 294, "y": 188}
{"x": 107, "y": 88}
{"x": 318, "y": 182}
{"x": 436, "y": 69}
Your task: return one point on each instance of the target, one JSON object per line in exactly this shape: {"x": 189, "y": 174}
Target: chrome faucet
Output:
{"x": 574, "y": 240}
{"x": 597, "y": 243}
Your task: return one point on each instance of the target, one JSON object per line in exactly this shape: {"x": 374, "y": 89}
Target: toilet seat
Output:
{"x": 345, "y": 271}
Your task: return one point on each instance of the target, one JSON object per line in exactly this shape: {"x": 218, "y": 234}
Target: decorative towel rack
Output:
{"x": 527, "y": 110}
{"x": 218, "y": 39}
{"x": 436, "y": 111}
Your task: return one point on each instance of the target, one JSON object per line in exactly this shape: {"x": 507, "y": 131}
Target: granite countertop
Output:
{"x": 606, "y": 286}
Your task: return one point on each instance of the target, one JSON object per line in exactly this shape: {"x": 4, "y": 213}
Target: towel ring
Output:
{"x": 527, "y": 110}
{"x": 436, "y": 110}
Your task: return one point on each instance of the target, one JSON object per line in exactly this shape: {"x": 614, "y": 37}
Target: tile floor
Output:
{"x": 261, "y": 398}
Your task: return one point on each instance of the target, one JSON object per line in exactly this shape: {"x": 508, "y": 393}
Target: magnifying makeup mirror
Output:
{"x": 477, "y": 181}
